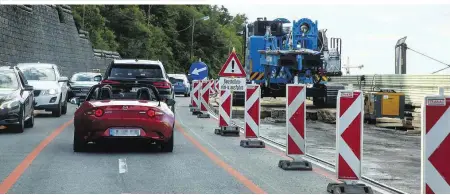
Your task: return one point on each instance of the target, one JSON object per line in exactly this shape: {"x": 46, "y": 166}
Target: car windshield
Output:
{"x": 122, "y": 92}
{"x": 84, "y": 77}
{"x": 136, "y": 71}
{"x": 39, "y": 74}
{"x": 178, "y": 80}
{"x": 8, "y": 80}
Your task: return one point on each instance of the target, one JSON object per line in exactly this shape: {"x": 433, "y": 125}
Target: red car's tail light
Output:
{"x": 109, "y": 82}
{"x": 96, "y": 112}
{"x": 152, "y": 113}
{"x": 162, "y": 84}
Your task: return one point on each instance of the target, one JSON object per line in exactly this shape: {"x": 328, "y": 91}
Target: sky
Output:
{"x": 369, "y": 32}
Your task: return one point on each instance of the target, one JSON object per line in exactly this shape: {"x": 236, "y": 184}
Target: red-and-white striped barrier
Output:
{"x": 204, "y": 95}
{"x": 225, "y": 108}
{"x": 295, "y": 119}
{"x": 211, "y": 87}
{"x": 216, "y": 85}
{"x": 195, "y": 101}
{"x": 252, "y": 110}
{"x": 349, "y": 134}
{"x": 436, "y": 145}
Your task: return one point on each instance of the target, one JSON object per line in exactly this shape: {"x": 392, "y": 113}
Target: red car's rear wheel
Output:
{"x": 168, "y": 146}
{"x": 79, "y": 144}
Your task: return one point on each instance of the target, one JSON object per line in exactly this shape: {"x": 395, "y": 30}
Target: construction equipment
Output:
{"x": 276, "y": 54}
{"x": 347, "y": 66}
{"x": 384, "y": 103}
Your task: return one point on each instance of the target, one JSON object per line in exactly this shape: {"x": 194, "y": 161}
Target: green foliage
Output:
{"x": 163, "y": 32}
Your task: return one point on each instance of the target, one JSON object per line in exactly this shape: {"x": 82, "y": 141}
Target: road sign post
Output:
{"x": 252, "y": 116}
{"x": 226, "y": 86}
{"x": 295, "y": 129}
{"x": 349, "y": 142}
{"x": 436, "y": 144}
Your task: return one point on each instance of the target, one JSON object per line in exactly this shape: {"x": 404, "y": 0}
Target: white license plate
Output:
{"x": 81, "y": 94}
{"x": 134, "y": 89}
{"x": 125, "y": 132}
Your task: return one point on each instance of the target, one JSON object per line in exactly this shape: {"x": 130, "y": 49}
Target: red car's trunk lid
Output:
{"x": 123, "y": 109}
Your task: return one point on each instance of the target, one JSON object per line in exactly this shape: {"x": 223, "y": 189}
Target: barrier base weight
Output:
{"x": 228, "y": 130}
{"x": 298, "y": 165}
{"x": 252, "y": 143}
{"x": 345, "y": 188}
{"x": 194, "y": 109}
{"x": 203, "y": 115}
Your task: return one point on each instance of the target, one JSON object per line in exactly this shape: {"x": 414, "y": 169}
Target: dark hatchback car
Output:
{"x": 81, "y": 83}
{"x": 140, "y": 71}
{"x": 16, "y": 100}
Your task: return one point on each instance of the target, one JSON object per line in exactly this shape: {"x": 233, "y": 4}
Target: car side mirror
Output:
{"x": 63, "y": 79}
{"x": 75, "y": 101}
{"x": 170, "y": 102}
{"x": 98, "y": 78}
{"x": 29, "y": 88}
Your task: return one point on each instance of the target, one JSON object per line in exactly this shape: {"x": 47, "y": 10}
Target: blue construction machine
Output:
{"x": 275, "y": 54}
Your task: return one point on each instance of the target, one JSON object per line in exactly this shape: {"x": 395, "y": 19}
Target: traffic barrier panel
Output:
{"x": 252, "y": 117}
{"x": 204, "y": 99}
{"x": 295, "y": 128}
{"x": 436, "y": 144}
{"x": 225, "y": 105}
{"x": 349, "y": 139}
{"x": 195, "y": 97}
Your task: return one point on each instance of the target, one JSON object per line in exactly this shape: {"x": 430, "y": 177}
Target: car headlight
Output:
{"x": 10, "y": 104}
{"x": 50, "y": 92}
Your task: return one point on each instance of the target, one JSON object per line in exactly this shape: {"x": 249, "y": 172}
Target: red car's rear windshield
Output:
{"x": 136, "y": 70}
{"x": 120, "y": 93}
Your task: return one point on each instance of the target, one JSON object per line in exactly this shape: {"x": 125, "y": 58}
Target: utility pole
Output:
{"x": 148, "y": 15}
{"x": 82, "y": 24}
{"x": 192, "y": 37}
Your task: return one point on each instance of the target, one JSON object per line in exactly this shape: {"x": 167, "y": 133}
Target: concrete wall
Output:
{"x": 36, "y": 33}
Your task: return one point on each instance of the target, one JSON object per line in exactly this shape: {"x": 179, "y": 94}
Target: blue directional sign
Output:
{"x": 198, "y": 71}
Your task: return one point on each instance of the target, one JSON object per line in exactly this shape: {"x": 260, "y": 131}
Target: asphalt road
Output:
{"x": 41, "y": 160}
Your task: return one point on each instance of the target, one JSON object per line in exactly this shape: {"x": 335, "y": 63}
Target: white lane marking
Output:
{"x": 123, "y": 168}
{"x": 312, "y": 161}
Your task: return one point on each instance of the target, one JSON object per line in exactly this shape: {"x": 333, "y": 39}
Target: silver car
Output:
{"x": 50, "y": 87}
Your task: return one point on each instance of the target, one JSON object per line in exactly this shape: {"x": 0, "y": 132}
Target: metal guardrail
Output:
{"x": 415, "y": 87}
{"x": 106, "y": 54}
{"x": 321, "y": 161}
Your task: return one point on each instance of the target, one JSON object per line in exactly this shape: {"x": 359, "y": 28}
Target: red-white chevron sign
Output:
{"x": 436, "y": 145}
{"x": 211, "y": 87}
{"x": 295, "y": 119}
{"x": 195, "y": 94}
{"x": 225, "y": 108}
{"x": 252, "y": 110}
{"x": 204, "y": 95}
{"x": 349, "y": 132}
{"x": 216, "y": 85}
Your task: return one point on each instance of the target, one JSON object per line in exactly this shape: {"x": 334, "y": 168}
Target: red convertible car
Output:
{"x": 123, "y": 112}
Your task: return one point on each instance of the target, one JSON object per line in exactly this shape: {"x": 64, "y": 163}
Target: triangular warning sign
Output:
{"x": 232, "y": 68}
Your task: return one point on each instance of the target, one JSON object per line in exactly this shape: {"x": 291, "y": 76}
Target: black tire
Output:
{"x": 186, "y": 95}
{"x": 79, "y": 145}
{"x": 19, "y": 128}
{"x": 168, "y": 146}
{"x": 30, "y": 122}
{"x": 64, "y": 108}
{"x": 58, "y": 111}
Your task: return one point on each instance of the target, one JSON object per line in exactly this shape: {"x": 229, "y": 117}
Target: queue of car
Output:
{"x": 133, "y": 99}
